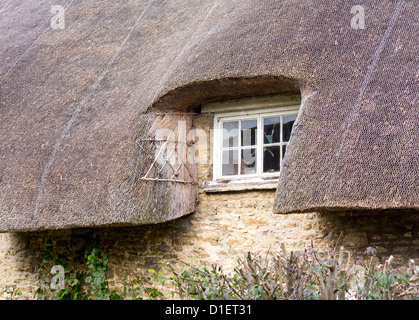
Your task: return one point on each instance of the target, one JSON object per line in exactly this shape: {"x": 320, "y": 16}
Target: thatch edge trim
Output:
{"x": 331, "y": 209}
{"x": 169, "y": 99}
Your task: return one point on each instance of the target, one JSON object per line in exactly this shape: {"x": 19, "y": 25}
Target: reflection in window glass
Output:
{"x": 230, "y": 134}
{"x": 272, "y": 130}
{"x": 287, "y": 127}
{"x": 271, "y": 159}
{"x": 255, "y": 144}
{"x": 230, "y": 163}
{"x": 248, "y": 161}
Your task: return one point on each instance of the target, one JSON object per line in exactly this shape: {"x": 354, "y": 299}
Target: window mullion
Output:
{"x": 259, "y": 164}
{"x": 281, "y": 138}
{"x": 259, "y": 147}
{"x": 239, "y": 148}
{"x": 219, "y": 149}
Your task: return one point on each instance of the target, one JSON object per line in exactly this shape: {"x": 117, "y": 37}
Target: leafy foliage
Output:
{"x": 11, "y": 292}
{"x": 302, "y": 275}
{"x": 85, "y": 277}
{"x": 85, "y": 280}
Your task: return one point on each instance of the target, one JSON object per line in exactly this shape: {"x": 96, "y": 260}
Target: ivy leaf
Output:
{"x": 97, "y": 281}
{"x": 382, "y": 281}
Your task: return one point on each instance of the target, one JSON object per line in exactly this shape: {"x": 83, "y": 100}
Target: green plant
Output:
{"x": 97, "y": 264}
{"x": 138, "y": 287}
{"x": 383, "y": 282}
{"x": 11, "y": 292}
{"x": 330, "y": 274}
{"x": 301, "y": 275}
{"x": 84, "y": 279}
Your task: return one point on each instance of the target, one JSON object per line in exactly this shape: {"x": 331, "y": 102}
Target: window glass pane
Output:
{"x": 271, "y": 159}
{"x": 230, "y": 163}
{"x": 249, "y": 132}
{"x": 272, "y": 130}
{"x": 230, "y": 134}
{"x": 287, "y": 127}
{"x": 248, "y": 161}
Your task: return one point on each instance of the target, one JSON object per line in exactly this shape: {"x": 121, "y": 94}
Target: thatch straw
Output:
{"x": 77, "y": 103}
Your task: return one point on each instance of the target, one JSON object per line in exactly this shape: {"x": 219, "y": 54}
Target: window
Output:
{"x": 252, "y": 145}
{"x": 251, "y": 137}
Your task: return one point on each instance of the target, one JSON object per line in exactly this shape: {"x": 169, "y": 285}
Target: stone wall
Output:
{"x": 216, "y": 236}
{"x": 224, "y": 226}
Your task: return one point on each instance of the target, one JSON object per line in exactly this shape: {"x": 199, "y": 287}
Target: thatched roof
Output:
{"x": 76, "y": 103}
{"x": 356, "y": 144}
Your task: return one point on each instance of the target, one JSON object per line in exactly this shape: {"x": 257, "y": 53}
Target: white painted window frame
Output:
{"x": 253, "y": 108}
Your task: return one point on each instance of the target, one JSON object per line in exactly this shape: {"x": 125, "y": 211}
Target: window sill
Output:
{"x": 239, "y": 185}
